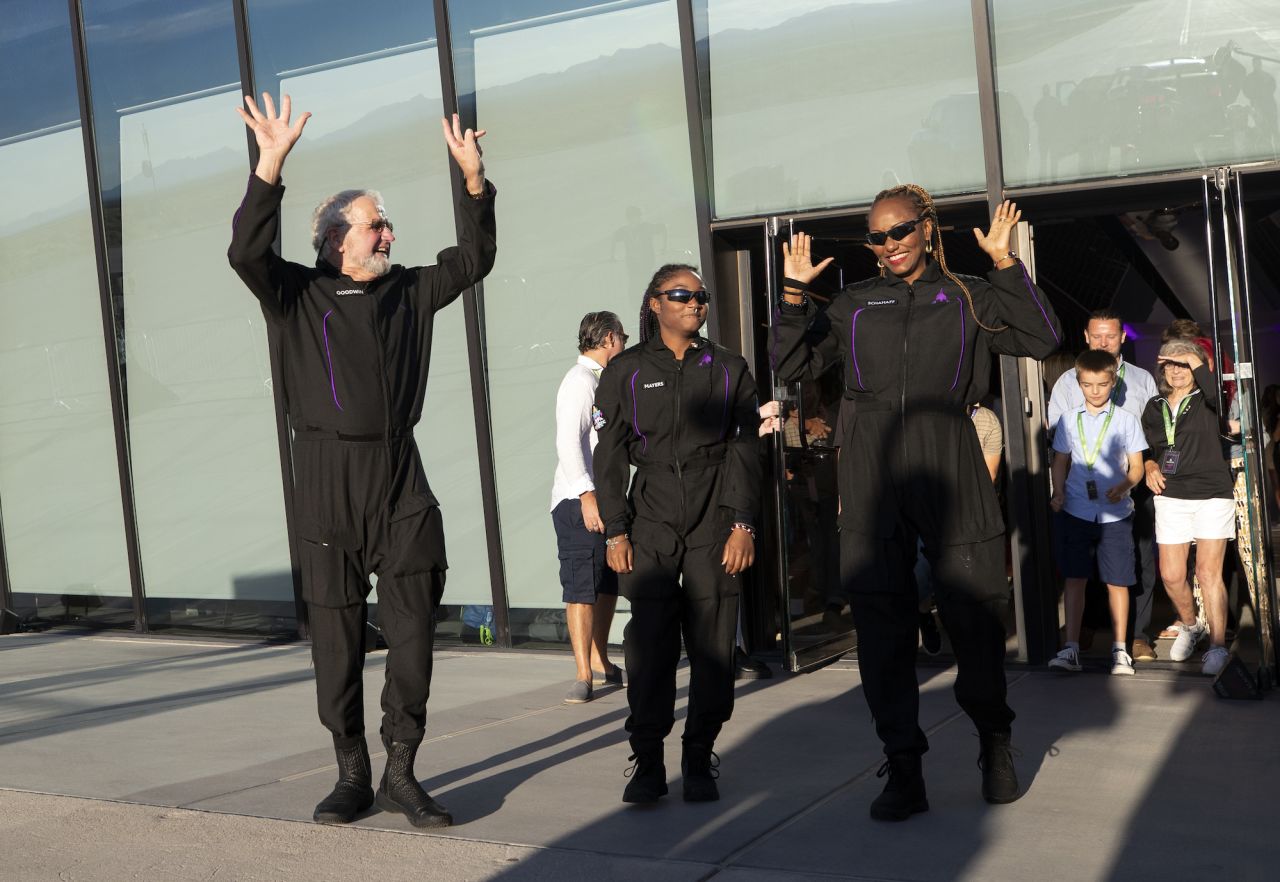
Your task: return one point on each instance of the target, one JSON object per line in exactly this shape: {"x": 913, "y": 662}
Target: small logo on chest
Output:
{"x": 347, "y": 292}
{"x": 942, "y": 297}
{"x": 656, "y": 385}
{"x": 882, "y": 303}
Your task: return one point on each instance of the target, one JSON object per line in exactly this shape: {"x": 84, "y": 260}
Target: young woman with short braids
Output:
{"x": 682, "y": 410}
{"x": 914, "y": 346}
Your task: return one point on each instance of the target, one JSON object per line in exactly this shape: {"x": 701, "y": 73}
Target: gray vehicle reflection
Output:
{"x": 950, "y": 137}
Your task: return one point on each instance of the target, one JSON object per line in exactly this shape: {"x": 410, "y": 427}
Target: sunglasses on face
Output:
{"x": 897, "y": 232}
{"x": 376, "y": 226}
{"x": 1177, "y": 364}
{"x": 684, "y": 295}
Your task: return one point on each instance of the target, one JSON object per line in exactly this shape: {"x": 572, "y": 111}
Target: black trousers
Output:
{"x": 686, "y": 593}
{"x": 971, "y": 593}
{"x": 365, "y": 507}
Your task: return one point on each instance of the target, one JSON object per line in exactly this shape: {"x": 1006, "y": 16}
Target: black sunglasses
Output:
{"x": 684, "y": 295}
{"x": 897, "y": 232}
{"x": 377, "y": 226}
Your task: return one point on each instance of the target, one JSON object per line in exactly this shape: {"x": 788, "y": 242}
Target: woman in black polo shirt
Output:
{"x": 1192, "y": 484}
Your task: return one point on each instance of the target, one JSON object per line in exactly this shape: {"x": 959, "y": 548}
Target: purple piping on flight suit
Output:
{"x": 853, "y": 348}
{"x": 635, "y": 414}
{"x": 724, "y": 420}
{"x": 1032, "y": 288}
{"x": 962, "y": 342}
{"x": 333, "y": 386}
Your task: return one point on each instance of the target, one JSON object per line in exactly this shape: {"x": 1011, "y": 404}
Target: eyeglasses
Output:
{"x": 620, "y": 336}
{"x": 376, "y": 226}
{"x": 684, "y": 295}
{"x": 897, "y": 232}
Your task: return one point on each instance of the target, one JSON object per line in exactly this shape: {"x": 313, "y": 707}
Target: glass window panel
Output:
{"x": 59, "y": 482}
{"x": 588, "y": 127}
{"x": 202, "y": 432}
{"x": 375, "y": 123}
{"x": 817, "y": 103}
{"x": 1097, "y": 89}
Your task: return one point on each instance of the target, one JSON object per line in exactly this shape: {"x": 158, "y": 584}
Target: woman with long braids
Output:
{"x": 914, "y": 345}
{"x": 682, "y": 410}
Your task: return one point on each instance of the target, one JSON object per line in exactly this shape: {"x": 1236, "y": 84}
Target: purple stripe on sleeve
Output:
{"x": 962, "y": 345}
{"x": 853, "y": 345}
{"x": 333, "y": 386}
{"x": 724, "y": 420}
{"x": 635, "y": 414}
{"x": 1032, "y": 288}
{"x": 235, "y": 218}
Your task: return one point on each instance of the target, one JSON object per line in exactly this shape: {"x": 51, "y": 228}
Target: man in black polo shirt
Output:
{"x": 355, "y": 332}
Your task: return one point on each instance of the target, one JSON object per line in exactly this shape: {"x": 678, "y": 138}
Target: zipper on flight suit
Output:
{"x": 906, "y": 339}
{"x": 675, "y": 439}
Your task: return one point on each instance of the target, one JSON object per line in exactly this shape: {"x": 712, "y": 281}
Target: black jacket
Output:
{"x": 691, "y": 429}
{"x": 356, "y": 354}
{"x": 1202, "y": 469}
{"x": 912, "y": 357}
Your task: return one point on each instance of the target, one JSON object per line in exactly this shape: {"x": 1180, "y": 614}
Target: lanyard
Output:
{"x": 1171, "y": 423}
{"x": 1090, "y": 457}
{"x": 1119, "y": 381}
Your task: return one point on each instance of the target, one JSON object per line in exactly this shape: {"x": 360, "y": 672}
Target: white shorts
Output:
{"x": 1179, "y": 521}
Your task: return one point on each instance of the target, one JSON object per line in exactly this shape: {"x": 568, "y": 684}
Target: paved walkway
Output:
{"x": 150, "y": 759}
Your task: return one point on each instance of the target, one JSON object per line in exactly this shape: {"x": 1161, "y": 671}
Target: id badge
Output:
{"x": 1091, "y": 487}
{"x": 1169, "y": 462}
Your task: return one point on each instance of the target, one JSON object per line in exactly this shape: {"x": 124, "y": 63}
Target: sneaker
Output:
{"x": 930, "y": 636}
{"x": 1066, "y": 660}
{"x": 1121, "y": 663}
{"x": 1185, "y": 643}
{"x": 1143, "y": 651}
{"x": 748, "y": 668}
{"x": 579, "y": 692}
{"x": 1214, "y": 661}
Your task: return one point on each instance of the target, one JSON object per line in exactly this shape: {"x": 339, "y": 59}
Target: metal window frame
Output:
{"x": 284, "y": 434}
{"x": 473, "y": 305}
{"x": 699, "y": 128}
{"x": 123, "y": 460}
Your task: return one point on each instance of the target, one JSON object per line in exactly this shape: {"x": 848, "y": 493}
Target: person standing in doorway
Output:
{"x": 590, "y": 587}
{"x": 356, "y": 334}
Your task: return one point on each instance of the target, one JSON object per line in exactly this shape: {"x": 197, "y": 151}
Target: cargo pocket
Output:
{"x": 417, "y": 536}
{"x": 329, "y": 576}
{"x": 581, "y": 570}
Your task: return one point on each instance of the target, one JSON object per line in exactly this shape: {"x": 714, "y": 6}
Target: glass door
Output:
{"x": 1231, "y": 215}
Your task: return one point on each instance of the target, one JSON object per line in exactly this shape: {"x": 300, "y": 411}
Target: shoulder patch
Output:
{"x": 598, "y": 421}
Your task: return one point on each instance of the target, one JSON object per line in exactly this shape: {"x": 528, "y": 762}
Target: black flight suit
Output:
{"x": 356, "y": 356}
{"x": 691, "y": 429}
{"x": 912, "y": 359}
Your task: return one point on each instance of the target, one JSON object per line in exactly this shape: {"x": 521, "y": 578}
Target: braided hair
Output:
{"x": 919, "y": 197}
{"x": 648, "y": 319}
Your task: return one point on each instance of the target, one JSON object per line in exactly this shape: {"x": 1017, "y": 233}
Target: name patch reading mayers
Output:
{"x": 348, "y": 292}
{"x": 655, "y": 385}
{"x": 882, "y": 303}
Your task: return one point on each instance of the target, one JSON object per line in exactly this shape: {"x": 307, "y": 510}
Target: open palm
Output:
{"x": 273, "y": 131}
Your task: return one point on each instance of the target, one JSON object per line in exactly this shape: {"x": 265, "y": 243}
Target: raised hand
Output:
{"x": 464, "y": 147}
{"x": 797, "y": 259}
{"x": 273, "y": 132}
{"x": 996, "y": 240}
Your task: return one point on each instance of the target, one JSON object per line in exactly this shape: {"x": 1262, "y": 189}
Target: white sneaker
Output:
{"x": 1121, "y": 663}
{"x": 1214, "y": 661}
{"x": 1185, "y": 643}
{"x": 1066, "y": 660}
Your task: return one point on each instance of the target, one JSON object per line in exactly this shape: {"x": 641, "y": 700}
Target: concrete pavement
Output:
{"x": 127, "y": 758}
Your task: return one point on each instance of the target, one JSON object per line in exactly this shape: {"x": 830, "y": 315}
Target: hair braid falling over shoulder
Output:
{"x": 648, "y": 318}
{"x": 923, "y": 202}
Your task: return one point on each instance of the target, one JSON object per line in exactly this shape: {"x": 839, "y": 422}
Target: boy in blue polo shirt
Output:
{"x": 1097, "y": 460}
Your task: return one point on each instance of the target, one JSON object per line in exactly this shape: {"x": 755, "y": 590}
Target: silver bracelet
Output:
{"x": 612, "y": 542}
{"x": 746, "y": 528}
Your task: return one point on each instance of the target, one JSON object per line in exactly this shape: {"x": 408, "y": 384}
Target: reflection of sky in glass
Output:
{"x": 36, "y": 37}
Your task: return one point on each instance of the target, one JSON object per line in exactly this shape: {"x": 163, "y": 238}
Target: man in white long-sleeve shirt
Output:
{"x": 590, "y": 587}
{"x": 1134, "y": 388}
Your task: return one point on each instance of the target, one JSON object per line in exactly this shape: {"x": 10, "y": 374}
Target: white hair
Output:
{"x": 332, "y": 212}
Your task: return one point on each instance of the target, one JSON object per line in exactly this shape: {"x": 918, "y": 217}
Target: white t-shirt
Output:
{"x": 575, "y": 431}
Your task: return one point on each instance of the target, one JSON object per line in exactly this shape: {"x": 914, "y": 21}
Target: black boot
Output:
{"x": 648, "y": 777}
{"x": 354, "y": 791}
{"x": 700, "y": 767}
{"x": 401, "y": 792}
{"x": 999, "y": 780}
{"x": 903, "y": 794}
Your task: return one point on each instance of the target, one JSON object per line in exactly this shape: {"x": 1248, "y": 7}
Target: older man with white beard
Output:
{"x": 356, "y": 341}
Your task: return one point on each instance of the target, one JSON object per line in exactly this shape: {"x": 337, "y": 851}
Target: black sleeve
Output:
{"x": 466, "y": 263}
{"x": 744, "y": 468}
{"x": 252, "y": 252}
{"x": 1207, "y": 380}
{"x": 805, "y": 345}
{"x": 1033, "y": 327}
{"x": 611, "y": 461}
